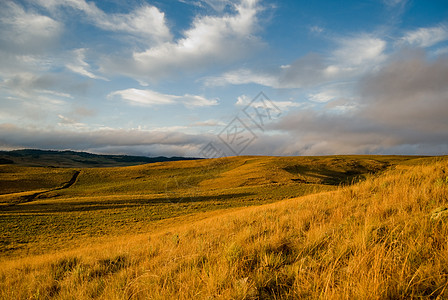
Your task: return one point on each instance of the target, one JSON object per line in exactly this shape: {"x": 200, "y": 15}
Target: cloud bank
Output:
{"x": 402, "y": 108}
{"x": 103, "y": 141}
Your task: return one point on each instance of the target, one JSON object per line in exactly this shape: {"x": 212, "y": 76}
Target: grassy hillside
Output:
{"x": 383, "y": 237}
{"x": 15, "y": 179}
{"x": 38, "y": 214}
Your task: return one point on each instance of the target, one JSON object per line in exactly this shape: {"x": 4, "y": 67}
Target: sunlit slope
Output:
{"x": 104, "y": 202}
{"x": 382, "y": 238}
{"x": 331, "y": 170}
{"x": 202, "y": 175}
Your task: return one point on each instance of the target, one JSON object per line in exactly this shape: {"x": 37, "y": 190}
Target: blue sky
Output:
{"x": 170, "y": 77}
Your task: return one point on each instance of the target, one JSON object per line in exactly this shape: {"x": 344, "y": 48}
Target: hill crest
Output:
{"x": 77, "y": 159}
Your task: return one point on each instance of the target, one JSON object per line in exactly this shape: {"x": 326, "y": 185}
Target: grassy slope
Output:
{"x": 16, "y": 179}
{"x": 376, "y": 239}
{"x": 107, "y": 202}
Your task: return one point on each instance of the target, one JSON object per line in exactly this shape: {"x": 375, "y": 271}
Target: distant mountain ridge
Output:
{"x": 68, "y": 158}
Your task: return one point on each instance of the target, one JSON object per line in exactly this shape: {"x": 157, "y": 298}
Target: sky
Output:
{"x": 210, "y": 78}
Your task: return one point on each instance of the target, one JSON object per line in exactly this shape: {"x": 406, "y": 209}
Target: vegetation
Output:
{"x": 180, "y": 230}
{"x": 38, "y": 214}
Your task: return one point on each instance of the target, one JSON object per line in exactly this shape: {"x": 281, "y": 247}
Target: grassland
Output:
{"x": 39, "y": 215}
{"x": 356, "y": 227}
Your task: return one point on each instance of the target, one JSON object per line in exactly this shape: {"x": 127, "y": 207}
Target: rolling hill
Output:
{"x": 56, "y": 204}
{"x": 358, "y": 227}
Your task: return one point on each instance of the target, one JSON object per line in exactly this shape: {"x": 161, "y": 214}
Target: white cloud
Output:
{"x": 146, "y": 21}
{"x": 70, "y": 123}
{"x": 174, "y": 128}
{"x": 24, "y": 32}
{"x": 353, "y": 57}
{"x": 242, "y": 76}
{"x": 80, "y": 66}
{"x": 82, "y": 71}
{"x": 425, "y": 37}
{"x": 30, "y": 63}
{"x": 209, "y": 36}
{"x": 195, "y": 100}
{"x": 321, "y": 97}
{"x": 218, "y": 5}
{"x": 316, "y": 29}
{"x": 441, "y": 51}
{"x": 342, "y": 92}
{"x": 393, "y": 3}
{"x": 152, "y": 98}
{"x": 55, "y": 93}
{"x": 359, "y": 52}
{"x": 208, "y": 123}
{"x": 244, "y": 100}
{"x": 143, "y": 97}
{"x": 211, "y": 40}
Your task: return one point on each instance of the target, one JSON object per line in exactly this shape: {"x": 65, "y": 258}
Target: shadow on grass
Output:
{"x": 328, "y": 176}
{"x": 82, "y": 206}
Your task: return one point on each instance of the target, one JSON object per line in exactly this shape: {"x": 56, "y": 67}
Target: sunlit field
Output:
{"x": 353, "y": 227}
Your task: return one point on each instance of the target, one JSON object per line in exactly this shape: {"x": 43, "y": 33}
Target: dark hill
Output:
{"x": 51, "y": 158}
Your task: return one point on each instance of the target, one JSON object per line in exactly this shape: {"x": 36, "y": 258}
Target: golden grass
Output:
{"x": 380, "y": 239}
{"x": 108, "y": 202}
{"x": 16, "y": 179}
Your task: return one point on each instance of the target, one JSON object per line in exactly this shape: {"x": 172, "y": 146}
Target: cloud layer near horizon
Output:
{"x": 402, "y": 106}
{"x": 103, "y": 141}
{"x": 400, "y": 109}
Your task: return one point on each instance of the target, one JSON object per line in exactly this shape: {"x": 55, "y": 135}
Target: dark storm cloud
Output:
{"x": 12, "y": 136}
{"x": 409, "y": 93}
{"x": 402, "y": 107}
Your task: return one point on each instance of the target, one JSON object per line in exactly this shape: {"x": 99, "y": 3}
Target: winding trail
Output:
{"x": 72, "y": 181}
